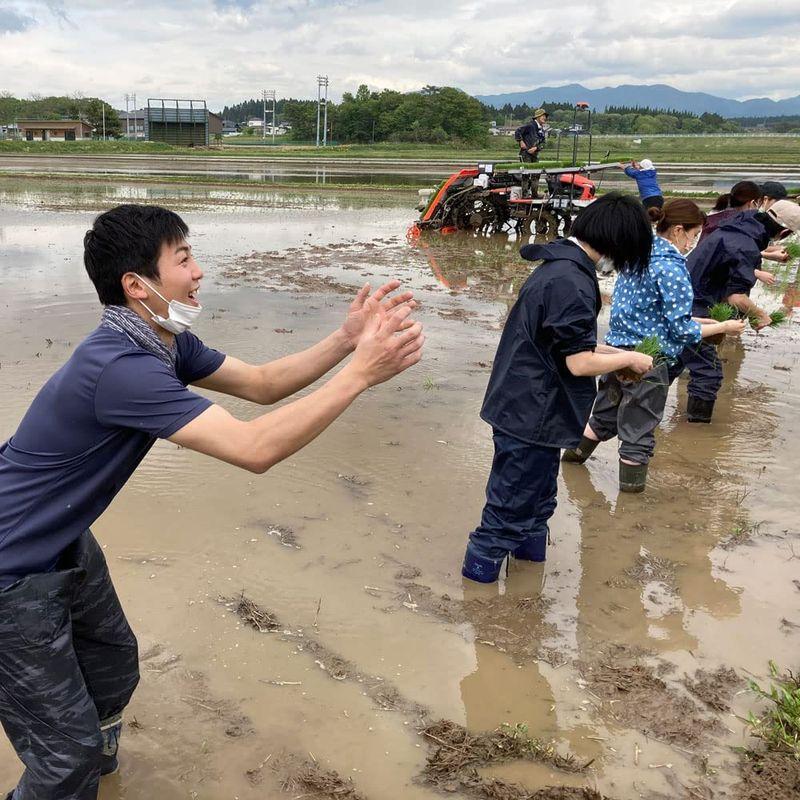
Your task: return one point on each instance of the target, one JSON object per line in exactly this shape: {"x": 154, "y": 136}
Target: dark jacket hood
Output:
{"x": 746, "y": 222}
{"x": 559, "y": 250}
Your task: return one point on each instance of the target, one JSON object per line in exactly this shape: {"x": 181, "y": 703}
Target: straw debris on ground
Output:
{"x": 252, "y": 614}
{"x": 307, "y": 779}
{"x": 457, "y": 754}
{"x": 635, "y": 697}
{"x": 716, "y": 688}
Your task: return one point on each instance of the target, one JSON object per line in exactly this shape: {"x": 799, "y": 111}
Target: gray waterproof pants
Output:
{"x": 68, "y": 660}
{"x": 631, "y": 411}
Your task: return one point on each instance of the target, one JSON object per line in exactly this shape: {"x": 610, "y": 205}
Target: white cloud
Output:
{"x": 228, "y": 50}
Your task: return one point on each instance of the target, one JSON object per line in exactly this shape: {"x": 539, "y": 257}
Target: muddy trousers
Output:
{"x": 631, "y": 411}
{"x": 520, "y": 496}
{"x": 68, "y": 659}
{"x": 705, "y": 370}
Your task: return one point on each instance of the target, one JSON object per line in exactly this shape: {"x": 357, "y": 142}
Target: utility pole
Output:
{"x": 268, "y": 94}
{"x": 322, "y": 102}
{"x": 103, "y": 106}
{"x": 130, "y": 98}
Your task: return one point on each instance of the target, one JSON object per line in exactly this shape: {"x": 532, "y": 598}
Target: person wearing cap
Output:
{"x": 531, "y": 137}
{"x": 771, "y": 192}
{"x": 644, "y": 173}
{"x": 723, "y": 268}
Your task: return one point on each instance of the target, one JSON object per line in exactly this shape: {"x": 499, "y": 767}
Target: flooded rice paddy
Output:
{"x": 313, "y": 620}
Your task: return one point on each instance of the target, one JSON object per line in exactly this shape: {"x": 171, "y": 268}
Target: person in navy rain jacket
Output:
{"x": 542, "y": 384}
{"x": 723, "y": 269}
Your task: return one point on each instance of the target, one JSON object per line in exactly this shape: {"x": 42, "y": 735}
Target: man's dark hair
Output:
{"x": 128, "y": 239}
{"x": 617, "y": 226}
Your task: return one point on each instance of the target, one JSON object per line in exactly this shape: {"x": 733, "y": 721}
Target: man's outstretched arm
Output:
{"x": 268, "y": 383}
{"x": 386, "y": 347}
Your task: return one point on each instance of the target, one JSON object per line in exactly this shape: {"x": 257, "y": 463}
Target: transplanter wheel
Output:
{"x": 477, "y": 214}
{"x": 545, "y": 223}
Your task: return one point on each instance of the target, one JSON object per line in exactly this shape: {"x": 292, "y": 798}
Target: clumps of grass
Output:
{"x": 779, "y": 725}
{"x": 722, "y": 312}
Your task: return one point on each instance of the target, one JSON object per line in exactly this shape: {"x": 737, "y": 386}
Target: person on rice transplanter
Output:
{"x": 646, "y": 177}
{"x": 68, "y": 658}
{"x": 531, "y": 137}
{"x": 542, "y": 384}
{"x": 656, "y": 301}
{"x": 722, "y": 268}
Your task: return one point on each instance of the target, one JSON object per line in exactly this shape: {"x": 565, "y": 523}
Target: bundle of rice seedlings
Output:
{"x": 720, "y": 312}
{"x": 793, "y": 250}
{"x": 650, "y": 346}
{"x": 778, "y": 317}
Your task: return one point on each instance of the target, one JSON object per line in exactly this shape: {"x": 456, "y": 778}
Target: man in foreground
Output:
{"x": 68, "y": 659}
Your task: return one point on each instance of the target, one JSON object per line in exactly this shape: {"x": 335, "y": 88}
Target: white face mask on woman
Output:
{"x": 181, "y": 315}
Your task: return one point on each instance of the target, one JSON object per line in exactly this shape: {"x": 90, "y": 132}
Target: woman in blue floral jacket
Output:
{"x": 655, "y": 302}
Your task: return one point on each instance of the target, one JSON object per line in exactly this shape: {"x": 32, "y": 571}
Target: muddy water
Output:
{"x": 355, "y": 543}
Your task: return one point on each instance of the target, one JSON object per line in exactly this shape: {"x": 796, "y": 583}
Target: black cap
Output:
{"x": 773, "y": 189}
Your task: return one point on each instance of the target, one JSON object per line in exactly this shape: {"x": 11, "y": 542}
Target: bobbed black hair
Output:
{"x": 128, "y": 238}
{"x": 617, "y": 226}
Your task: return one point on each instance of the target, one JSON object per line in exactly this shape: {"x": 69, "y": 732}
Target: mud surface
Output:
{"x": 301, "y": 630}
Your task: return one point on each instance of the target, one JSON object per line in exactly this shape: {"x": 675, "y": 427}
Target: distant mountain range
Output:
{"x": 657, "y": 95}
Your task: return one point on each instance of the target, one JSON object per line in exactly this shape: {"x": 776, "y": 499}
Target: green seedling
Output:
{"x": 793, "y": 250}
{"x": 779, "y": 725}
{"x": 778, "y": 317}
{"x": 650, "y": 346}
{"x": 722, "y": 312}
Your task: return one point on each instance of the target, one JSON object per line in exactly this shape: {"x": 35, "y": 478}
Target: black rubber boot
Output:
{"x": 632, "y": 477}
{"x": 581, "y": 452}
{"x": 698, "y": 410}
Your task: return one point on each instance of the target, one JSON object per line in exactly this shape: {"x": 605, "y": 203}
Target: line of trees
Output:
{"x": 623, "y": 119}
{"x": 435, "y": 114}
{"x": 88, "y": 109}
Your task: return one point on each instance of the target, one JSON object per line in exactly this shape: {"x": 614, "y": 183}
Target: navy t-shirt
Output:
{"x": 83, "y": 436}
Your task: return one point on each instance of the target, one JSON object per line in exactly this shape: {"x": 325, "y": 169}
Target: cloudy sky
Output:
{"x": 228, "y": 50}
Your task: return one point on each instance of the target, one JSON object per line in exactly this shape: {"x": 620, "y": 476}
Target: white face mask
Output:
{"x": 181, "y": 315}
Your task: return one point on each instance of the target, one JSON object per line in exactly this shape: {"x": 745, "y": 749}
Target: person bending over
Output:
{"x": 646, "y": 177}
{"x": 722, "y": 268}
{"x": 542, "y": 384}
{"x": 655, "y": 301}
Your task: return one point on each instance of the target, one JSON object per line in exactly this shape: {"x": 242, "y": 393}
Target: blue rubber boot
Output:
{"x": 534, "y": 548}
{"x": 479, "y": 568}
